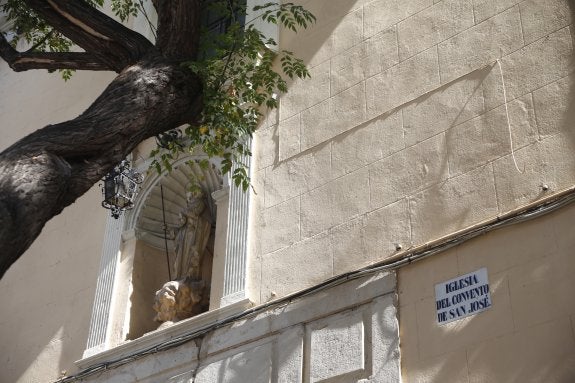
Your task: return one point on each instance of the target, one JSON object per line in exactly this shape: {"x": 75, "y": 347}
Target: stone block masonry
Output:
{"x": 410, "y": 112}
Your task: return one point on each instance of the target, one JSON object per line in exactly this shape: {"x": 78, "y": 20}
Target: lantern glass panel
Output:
{"x": 120, "y": 187}
{"x": 109, "y": 189}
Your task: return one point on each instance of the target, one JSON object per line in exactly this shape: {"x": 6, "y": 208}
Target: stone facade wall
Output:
{"x": 402, "y": 135}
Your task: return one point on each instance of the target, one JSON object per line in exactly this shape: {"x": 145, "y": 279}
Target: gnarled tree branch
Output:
{"x": 22, "y": 61}
{"x": 178, "y": 27}
{"x": 109, "y": 41}
{"x": 49, "y": 169}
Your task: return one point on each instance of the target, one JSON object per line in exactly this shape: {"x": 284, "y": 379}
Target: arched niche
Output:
{"x": 173, "y": 211}
{"x": 140, "y": 229}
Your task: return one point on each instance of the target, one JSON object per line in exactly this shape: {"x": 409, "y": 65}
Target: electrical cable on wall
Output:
{"x": 165, "y": 227}
{"x": 535, "y": 210}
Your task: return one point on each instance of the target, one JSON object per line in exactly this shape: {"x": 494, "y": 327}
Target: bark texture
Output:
{"x": 48, "y": 170}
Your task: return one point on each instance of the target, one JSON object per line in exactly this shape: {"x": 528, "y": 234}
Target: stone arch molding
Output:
{"x": 146, "y": 219}
{"x": 111, "y": 303}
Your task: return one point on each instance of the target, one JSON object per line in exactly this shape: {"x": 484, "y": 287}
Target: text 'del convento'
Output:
{"x": 462, "y": 296}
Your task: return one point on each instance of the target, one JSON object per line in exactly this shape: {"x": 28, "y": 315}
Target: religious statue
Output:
{"x": 191, "y": 237}
{"x": 188, "y": 293}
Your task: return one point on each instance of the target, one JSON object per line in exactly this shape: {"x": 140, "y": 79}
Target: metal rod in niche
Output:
{"x": 165, "y": 227}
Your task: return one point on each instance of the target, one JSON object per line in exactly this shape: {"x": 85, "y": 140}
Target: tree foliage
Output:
{"x": 241, "y": 70}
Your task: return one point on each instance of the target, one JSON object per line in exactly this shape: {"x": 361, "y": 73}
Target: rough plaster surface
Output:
{"x": 336, "y": 347}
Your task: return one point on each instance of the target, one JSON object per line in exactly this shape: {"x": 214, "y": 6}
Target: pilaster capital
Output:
{"x": 221, "y": 195}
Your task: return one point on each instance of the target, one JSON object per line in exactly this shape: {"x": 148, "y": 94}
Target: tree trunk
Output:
{"x": 48, "y": 170}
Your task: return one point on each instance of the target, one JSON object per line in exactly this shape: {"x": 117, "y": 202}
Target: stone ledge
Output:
{"x": 156, "y": 337}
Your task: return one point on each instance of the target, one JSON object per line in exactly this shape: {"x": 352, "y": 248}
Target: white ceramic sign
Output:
{"x": 462, "y": 296}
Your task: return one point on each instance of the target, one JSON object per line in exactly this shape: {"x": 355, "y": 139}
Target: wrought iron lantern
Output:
{"x": 120, "y": 187}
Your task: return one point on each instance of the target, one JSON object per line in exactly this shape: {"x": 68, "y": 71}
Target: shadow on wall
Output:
{"x": 47, "y": 297}
{"x": 314, "y": 45}
{"x": 526, "y": 336}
